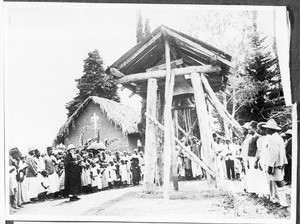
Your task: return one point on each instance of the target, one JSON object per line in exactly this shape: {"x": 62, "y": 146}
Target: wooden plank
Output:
{"x": 163, "y": 66}
{"x": 162, "y": 73}
{"x": 150, "y": 141}
{"x": 195, "y": 55}
{"x": 140, "y": 50}
{"x": 196, "y": 45}
{"x": 169, "y": 143}
{"x": 188, "y": 152}
{"x": 203, "y": 119}
{"x": 236, "y": 127}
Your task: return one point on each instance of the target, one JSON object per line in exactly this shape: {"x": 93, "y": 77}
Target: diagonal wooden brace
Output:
{"x": 187, "y": 151}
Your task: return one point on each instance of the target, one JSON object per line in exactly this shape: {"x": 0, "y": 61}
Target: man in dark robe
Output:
{"x": 135, "y": 168}
{"x": 72, "y": 173}
{"x": 288, "y": 151}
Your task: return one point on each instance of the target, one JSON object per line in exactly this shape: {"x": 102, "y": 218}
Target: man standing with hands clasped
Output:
{"x": 276, "y": 159}
{"x": 71, "y": 173}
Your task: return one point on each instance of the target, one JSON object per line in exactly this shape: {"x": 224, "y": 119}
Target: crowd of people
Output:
{"x": 262, "y": 160}
{"x": 69, "y": 173}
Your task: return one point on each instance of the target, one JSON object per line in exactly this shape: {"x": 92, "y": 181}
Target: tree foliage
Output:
{"x": 91, "y": 83}
{"x": 254, "y": 90}
{"x": 142, "y": 30}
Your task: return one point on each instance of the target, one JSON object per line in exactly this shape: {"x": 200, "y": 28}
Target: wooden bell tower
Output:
{"x": 149, "y": 69}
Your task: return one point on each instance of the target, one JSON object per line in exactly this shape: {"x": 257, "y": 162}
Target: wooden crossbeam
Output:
{"x": 138, "y": 77}
{"x": 187, "y": 135}
{"x": 163, "y": 66}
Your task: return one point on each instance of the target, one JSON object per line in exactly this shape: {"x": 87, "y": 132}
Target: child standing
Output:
{"x": 123, "y": 173}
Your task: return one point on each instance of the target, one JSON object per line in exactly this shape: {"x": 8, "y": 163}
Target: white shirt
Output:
{"x": 276, "y": 151}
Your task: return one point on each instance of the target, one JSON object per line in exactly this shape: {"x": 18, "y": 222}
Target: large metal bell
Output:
{"x": 181, "y": 88}
{"x": 181, "y": 104}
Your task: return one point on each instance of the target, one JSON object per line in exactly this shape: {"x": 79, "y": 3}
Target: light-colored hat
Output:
{"x": 260, "y": 124}
{"x": 246, "y": 125}
{"x": 61, "y": 146}
{"x": 23, "y": 166}
{"x": 71, "y": 146}
{"x": 289, "y": 132}
{"x": 30, "y": 149}
{"x": 271, "y": 124}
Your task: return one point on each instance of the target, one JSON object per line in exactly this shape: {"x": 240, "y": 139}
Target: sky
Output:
{"x": 44, "y": 48}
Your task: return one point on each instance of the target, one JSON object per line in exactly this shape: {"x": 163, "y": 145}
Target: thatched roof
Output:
{"x": 123, "y": 117}
{"x": 150, "y": 52}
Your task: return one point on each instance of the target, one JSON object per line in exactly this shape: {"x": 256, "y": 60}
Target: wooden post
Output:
{"x": 150, "y": 141}
{"x": 203, "y": 119}
{"x": 219, "y": 107}
{"x": 174, "y": 155}
{"x": 169, "y": 143}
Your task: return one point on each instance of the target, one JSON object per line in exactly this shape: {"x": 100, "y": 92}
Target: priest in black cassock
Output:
{"x": 72, "y": 173}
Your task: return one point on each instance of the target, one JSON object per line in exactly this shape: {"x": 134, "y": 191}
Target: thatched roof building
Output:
{"x": 114, "y": 120}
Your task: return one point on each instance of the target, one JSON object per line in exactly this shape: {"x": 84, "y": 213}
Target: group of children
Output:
{"x": 40, "y": 177}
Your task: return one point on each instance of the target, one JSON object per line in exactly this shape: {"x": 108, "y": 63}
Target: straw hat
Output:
{"x": 71, "y": 146}
{"x": 271, "y": 124}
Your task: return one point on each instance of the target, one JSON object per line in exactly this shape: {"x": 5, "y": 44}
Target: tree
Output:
{"x": 147, "y": 29}
{"x": 139, "y": 28}
{"x": 92, "y": 83}
{"x": 253, "y": 91}
{"x": 142, "y": 30}
{"x": 141, "y": 33}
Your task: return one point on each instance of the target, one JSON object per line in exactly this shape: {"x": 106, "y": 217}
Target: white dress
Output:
{"x": 123, "y": 172}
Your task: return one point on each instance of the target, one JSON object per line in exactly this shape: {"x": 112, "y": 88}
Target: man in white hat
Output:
{"x": 288, "y": 151}
{"x": 72, "y": 173}
{"x": 31, "y": 175}
{"x": 276, "y": 159}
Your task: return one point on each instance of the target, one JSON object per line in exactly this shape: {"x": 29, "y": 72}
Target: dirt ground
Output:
{"x": 195, "y": 199}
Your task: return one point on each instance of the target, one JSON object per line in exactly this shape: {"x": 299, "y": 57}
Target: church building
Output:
{"x": 107, "y": 121}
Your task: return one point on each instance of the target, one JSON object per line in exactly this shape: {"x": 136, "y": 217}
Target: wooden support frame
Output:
{"x": 150, "y": 141}
{"x": 219, "y": 107}
{"x": 203, "y": 119}
{"x": 169, "y": 143}
{"x": 139, "y": 77}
